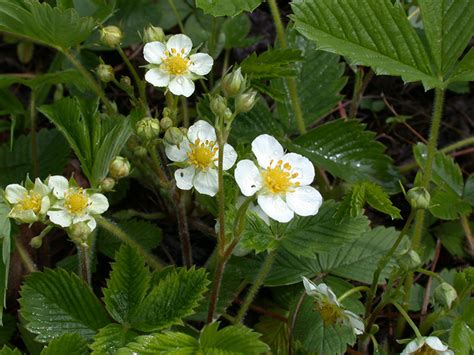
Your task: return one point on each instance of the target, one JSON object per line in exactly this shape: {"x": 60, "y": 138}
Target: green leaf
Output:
{"x": 347, "y": 150}
{"x": 227, "y": 7}
{"x": 274, "y": 63}
{"x": 15, "y": 164}
{"x": 128, "y": 284}
{"x": 236, "y": 30}
{"x": 373, "y": 33}
{"x": 166, "y": 343}
{"x": 66, "y": 76}
{"x": 111, "y": 338}
{"x": 174, "y": 298}
{"x": 55, "y": 302}
{"x": 445, "y": 204}
{"x": 461, "y": 337}
{"x": 5, "y": 229}
{"x": 72, "y": 344}
{"x": 147, "y": 234}
{"x": 468, "y": 193}
{"x": 41, "y": 23}
{"x": 465, "y": 69}
{"x": 453, "y": 238}
{"x": 8, "y": 328}
{"x": 8, "y": 351}
{"x": 319, "y": 79}
{"x": 449, "y": 26}
{"x": 274, "y": 332}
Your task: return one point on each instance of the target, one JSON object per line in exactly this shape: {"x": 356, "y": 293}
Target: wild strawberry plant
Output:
{"x": 205, "y": 177}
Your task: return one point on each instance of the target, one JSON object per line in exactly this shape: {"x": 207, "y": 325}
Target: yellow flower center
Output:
{"x": 76, "y": 202}
{"x": 31, "y": 201}
{"x": 203, "y": 155}
{"x": 175, "y": 63}
{"x": 278, "y": 178}
{"x": 425, "y": 350}
{"x": 329, "y": 312}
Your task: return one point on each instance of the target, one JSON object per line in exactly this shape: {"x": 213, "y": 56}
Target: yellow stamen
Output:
{"x": 329, "y": 312}
{"x": 425, "y": 350}
{"x": 31, "y": 201}
{"x": 202, "y": 155}
{"x": 76, "y": 201}
{"x": 175, "y": 63}
{"x": 278, "y": 178}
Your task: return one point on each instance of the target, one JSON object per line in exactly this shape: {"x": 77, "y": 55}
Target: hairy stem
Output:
{"x": 84, "y": 263}
{"x": 34, "y": 143}
{"x": 176, "y": 14}
{"x": 351, "y": 292}
{"x": 469, "y": 238}
{"x": 407, "y": 318}
{"x": 25, "y": 257}
{"x": 216, "y": 287}
{"x": 183, "y": 230}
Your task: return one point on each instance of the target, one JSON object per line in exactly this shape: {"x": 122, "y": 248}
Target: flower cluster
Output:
{"x": 59, "y": 200}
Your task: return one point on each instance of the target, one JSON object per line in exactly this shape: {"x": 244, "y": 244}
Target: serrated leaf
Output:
{"x": 319, "y": 78}
{"x": 65, "y": 76}
{"x": 166, "y": 343}
{"x": 468, "y": 193}
{"x": 111, "y": 338}
{"x": 274, "y": 332}
{"x": 449, "y": 26}
{"x": 147, "y": 234}
{"x": 15, "y": 164}
{"x": 274, "y": 63}
{"x": 347, "y": 150}
{"x": 461, "y": 337}
{"x": 128, "y": 284}
{"x": 9, "y": 351}
{"x": 71, "y": 344}
{"x": 236, "y": 30}
{"x": 446, "y": 204}
{"x": 5, "y": 230}
{"x": 174, "y": 298}
{"x": 465, "y": 69}
{"x": 227, "y": 7}
{"x": 55, "y": 302}
{"x": 373, "y": 33}
{"x": 378, "y": 199}
{"x": 44, "y": 24}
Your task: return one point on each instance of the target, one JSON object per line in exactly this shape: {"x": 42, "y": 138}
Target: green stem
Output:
{"x": 183, "y": 229}
{"x": 25, "y": 257}
{"x": 93, "y": 83}
{"x": 216, "y": 287}
{"x": 291, "y": 82}
{"x": 34, "y": 143}
{"x": 430, "y": 273}
{"x": 125, "y": 238}
{"x": 84, "y": 263}
{"x": 36, "y": 242}
{"x": 176, "y": 14}
{"x": 407, "y": 318}
{"x": 259, "y": 280}
{"x": 184, "y": 108}
{"x": 157, "y": 167}
{"x": 140, "y": 83}
{"x": 467, "y": 230}
{"x": 351, "y": 292}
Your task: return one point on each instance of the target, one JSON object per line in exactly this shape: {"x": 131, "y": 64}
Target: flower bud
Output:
{"x": 105, "y": 73}
{"x": 227, "y": 114}
{"x": 24, "y": 51}
{"x": 173, "y": 136}
{"x": 125, "y": 81}
{"x": 132, "y": 142}
{"x": 233, "y": 83}
{"x": 166, "y": 123}
{"x": 218, "y": 105}
{"x": 152, "y": 34}
{"x": 419, "y": 198}
{"x": 246, "y": 101}
{"x": 184, "y": 131}
{"x": 79, "y": 232}
{"x": 111, "y": 36}
{"x": 36, "y": 242}
{"x": 140, "y": 151}
{"x": 445, "y": 294}
{"x": 409, "y": 260}
{"x": 107, "y": 184}
{"x": 119, "y": 168}
{"x": 148, "y": 128}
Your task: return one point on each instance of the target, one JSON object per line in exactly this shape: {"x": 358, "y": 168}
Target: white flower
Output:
{"x": 281, "y": 182}
{"x": 330, "y": 309}
{"x": 173, "y": 67}
{"x": 29, "y": 205}
{"x": 199, "y": 151}
{"x": 427, "y": 345}
{"x": 74, "y": 204}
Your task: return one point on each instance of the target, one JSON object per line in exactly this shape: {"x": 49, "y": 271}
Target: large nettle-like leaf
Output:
{"x": 56, "y": 27}
{"x": 347, "y": 150}
{"x": 227, "y": 7}
{"x": 55, "y": 302}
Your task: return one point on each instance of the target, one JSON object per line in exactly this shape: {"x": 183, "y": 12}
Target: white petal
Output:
{"x": 41, "y": 188}
{"x": 248, "y": 177}
{"x": 201, "y": 63}
{"x": 275, "y": 208}
{"x": 45, "y": 205}
{"x": 92, "y": 224}
{"x": 326, "y": 290}
{"x": 436, "y": 344}
{"x": 266, "y": 148}
{"x": 175, "y": 153}
{"x": 182, "y": 44}
{"x": 59, "y": 184}
{"x": 154, "y": 52}
{"x": 203, "y": 131}
{"x": 24, "y": 216}
{"x": 304, "y": 200}
{"x": 310, "y": 287}
{"x": 98, "y": 204}
{"x": 230, "y": 156}
{"x": 302, "y": 166}
{"x": 205, "y": 182}
{"x": 14, "y": 193}
{"x": 356, "y": 322}
{"x": 61, "y": 218}
{"x": 181, "y": 85}
{"x": 157, "y": 77}
{"x": 262, "y": 215}
{"x": 184, "y": 178}
{"x": 413, "y": 346}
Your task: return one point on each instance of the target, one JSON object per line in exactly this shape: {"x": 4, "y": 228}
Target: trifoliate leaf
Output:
{"x": 71, "y": 344}
{"x": 274, "y": 63}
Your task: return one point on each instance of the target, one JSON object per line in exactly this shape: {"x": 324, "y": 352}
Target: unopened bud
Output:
{"x": 148, "y": 128}
{"x": 233, "y": 83}
{"x": 105, "y": 73}
{"x": 445, "y": 294}
{"x": 79, "y": 232}
{"x": 36, "y": 242}
{"x": 140, "y": 151}
{"x": 25, "y": 51}
{"x": 107, "y": 184}
{"x": 153, "y": 34}
{"x": 218, "y": 105}
{"x": 173, "y": 136}
{"x": 184, "y": 131}
{"x": 167, "y": 112}
{"x": 125, "y": 81}
{"x": 246, "y": 101}
{"x": 119, "y": 168}
{"x": 419, "y": 198}
{"x": 227, "y": 114}
{"x": 111, "y": 36}
{"x": 409, "y": 260}
{"x": 166, "y": 123}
